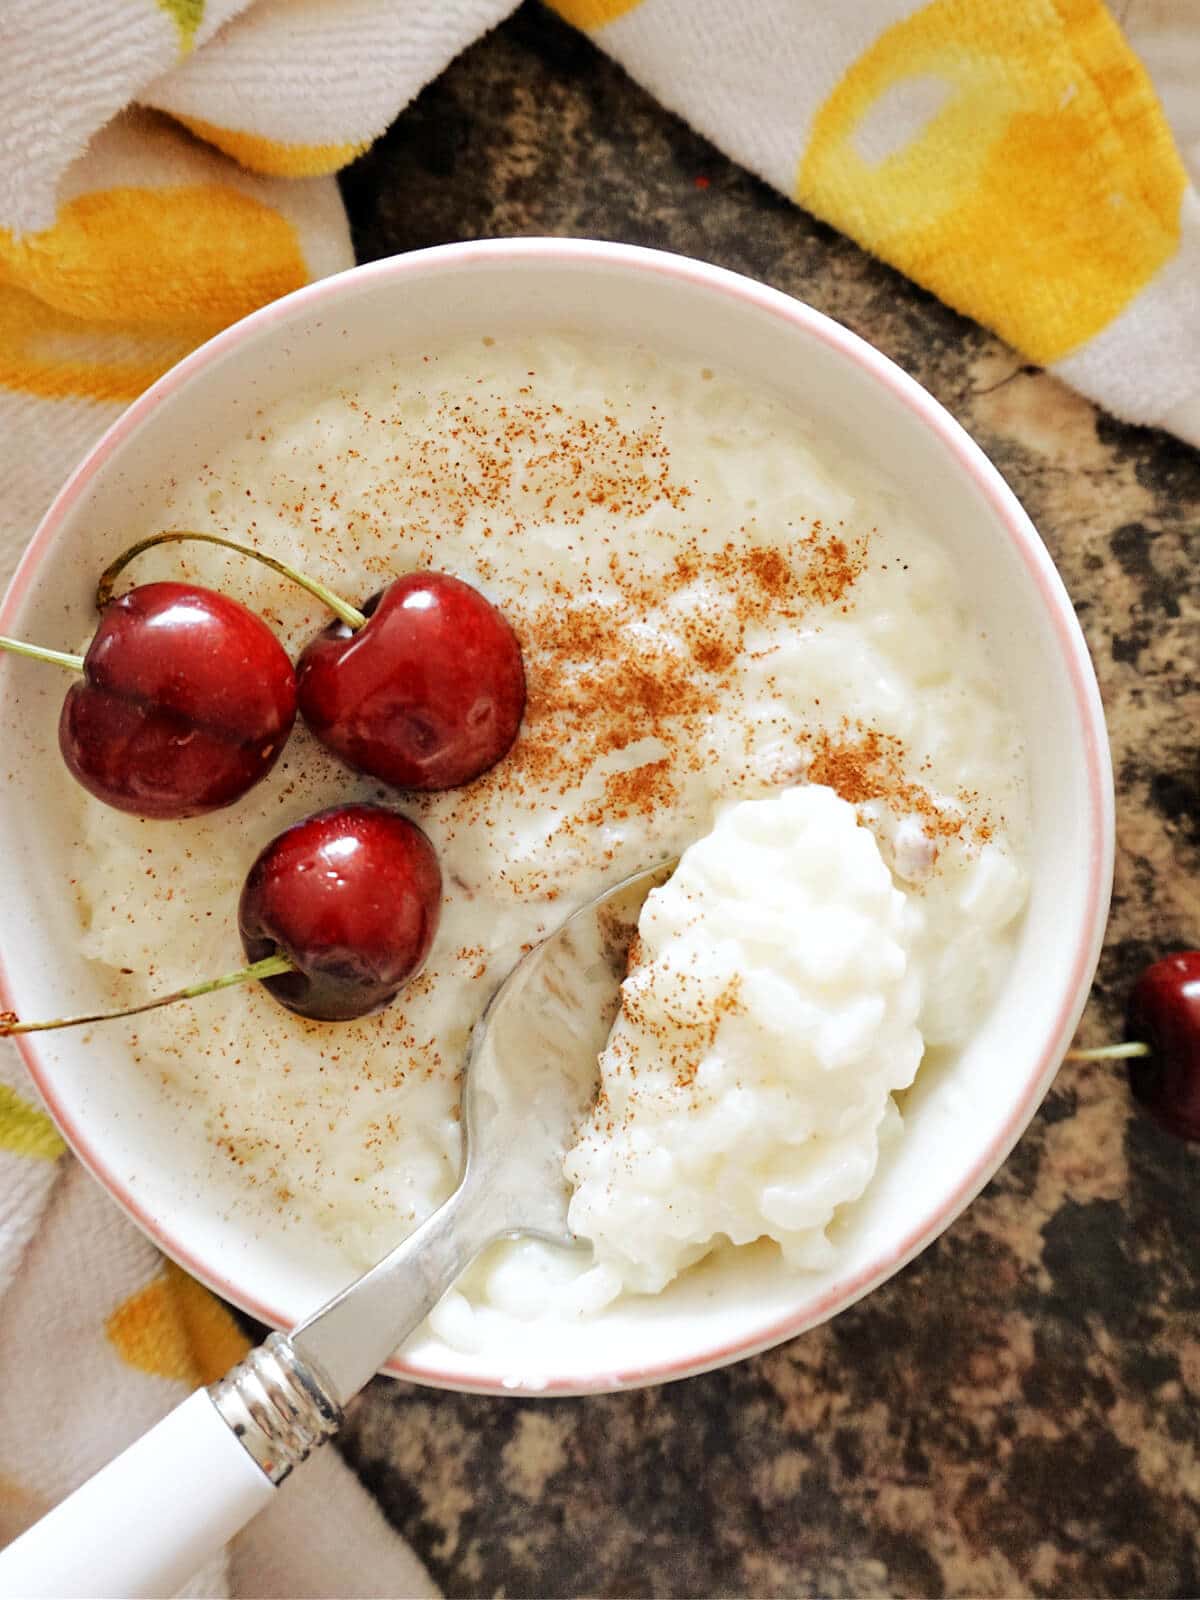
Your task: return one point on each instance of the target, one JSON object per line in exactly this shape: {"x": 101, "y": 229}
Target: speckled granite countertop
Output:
{"x": 1015, "y": 1414}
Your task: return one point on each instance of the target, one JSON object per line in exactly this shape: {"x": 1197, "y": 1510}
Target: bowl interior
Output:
{"x": 960, "y": 1124}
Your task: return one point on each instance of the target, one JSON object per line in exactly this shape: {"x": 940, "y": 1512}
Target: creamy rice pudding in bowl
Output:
{"x": 778, "y": 613}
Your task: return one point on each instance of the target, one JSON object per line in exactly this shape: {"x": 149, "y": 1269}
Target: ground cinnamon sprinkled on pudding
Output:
{"x": 599, "y": 680}
{"x": 680, "y": 1045}
{"x": 646, "y": 789}
{"x": 863, "y": 764}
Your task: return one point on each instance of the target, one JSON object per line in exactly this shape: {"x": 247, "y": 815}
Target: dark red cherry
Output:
{"x": 185, "y": 702}
{"x": 1164, "y": 1013}
{"x": 427, "y": 694}
{"x": 351, "y": 896}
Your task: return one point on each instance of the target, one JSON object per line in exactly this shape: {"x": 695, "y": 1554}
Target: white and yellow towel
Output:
{"x": 1010, "y": 155}
{"x": 166, "y": 166}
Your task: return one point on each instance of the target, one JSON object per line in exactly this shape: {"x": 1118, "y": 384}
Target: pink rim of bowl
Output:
{"x": 1036, "y": 560}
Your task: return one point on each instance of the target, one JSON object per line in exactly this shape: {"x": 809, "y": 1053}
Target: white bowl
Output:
{"x": 960, "y": 1124}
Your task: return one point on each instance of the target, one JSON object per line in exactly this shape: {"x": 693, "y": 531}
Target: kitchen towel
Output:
{"x": 167, "y": 166}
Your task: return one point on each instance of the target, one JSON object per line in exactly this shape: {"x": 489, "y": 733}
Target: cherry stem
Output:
{"x": 268, "y": 967}
{"x": 1110, "y": 1052}
{"x": 350, "y": 615}
{"x": 37, "y": 652}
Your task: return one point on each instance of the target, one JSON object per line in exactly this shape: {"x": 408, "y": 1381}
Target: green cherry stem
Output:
{"x": 350, "y": 615}
{"x": 37, "y": 652}
{"x": 268, "y": 967}
{"x": 1110, "y": 1052}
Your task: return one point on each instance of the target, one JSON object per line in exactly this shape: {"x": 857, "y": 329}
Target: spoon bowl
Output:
{"x": 531, "y": 1068}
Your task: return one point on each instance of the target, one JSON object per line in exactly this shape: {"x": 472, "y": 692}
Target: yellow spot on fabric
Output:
{"x": 147, "y": 1333}
{"x": 1038, "y": 195}
{"x": 20, "y": 1508}
{"x": 173, "y": 1328}
{"x": 26, "y": 1131}
{"x": 187, "y": 16}
{"x": 592, "y": 14}
{"x": 195, "y": 257}
{"x": 48, "y": 353}
{"x": 271, "y": 156}
{"x": 215, "y": 1340}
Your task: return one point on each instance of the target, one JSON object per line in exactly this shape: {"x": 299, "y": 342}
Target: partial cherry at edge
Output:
{"x": 1164, "y": 1013}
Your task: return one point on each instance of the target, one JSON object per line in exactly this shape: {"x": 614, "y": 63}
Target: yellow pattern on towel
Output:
{"x": 1013, "y": 160}
{"x": 592, "y": 14}
{"x": 273, "y": 157}
{"x": 173, "y": 1328}
{"x": 57, "y": 356}
{"x": 26, "y": 1131}
{"x": 193, "y": 258}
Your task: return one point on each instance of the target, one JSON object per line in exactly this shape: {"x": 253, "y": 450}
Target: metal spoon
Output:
{"x": 134, "y": 1528}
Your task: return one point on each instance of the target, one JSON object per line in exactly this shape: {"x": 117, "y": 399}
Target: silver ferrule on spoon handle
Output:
{"x": 278, "y": 1406}
{"x": 287, "y": 1396}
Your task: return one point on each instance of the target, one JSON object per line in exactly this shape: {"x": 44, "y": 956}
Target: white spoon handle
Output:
{"x": 149, "y": 1520}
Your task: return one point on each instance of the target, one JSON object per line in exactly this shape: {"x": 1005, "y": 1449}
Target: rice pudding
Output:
{"x": 767, "y": 1020}
{"x": 715, "y": 605}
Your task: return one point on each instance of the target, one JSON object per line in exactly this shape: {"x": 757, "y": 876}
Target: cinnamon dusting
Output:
{"x": 680, "y": 1044}
{"x": 862, "y": 764}
{"x": 646, "y": 654}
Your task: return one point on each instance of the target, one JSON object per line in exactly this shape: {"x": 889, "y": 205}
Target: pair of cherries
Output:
{"x": 186, "y": 699}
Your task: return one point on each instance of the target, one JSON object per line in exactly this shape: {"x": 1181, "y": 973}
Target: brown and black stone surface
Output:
{"x": 1018, "y": 1413}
